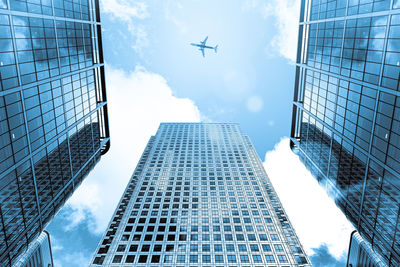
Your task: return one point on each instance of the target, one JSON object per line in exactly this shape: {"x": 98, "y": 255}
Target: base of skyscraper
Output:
{"x": 38, "y": 253}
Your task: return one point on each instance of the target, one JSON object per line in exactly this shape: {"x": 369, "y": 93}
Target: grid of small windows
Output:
{"x": 44, "y": 48}
{"x": 25, "y": 205}
{"x": 53, "y": 124}
{"x": 199, "y": 197}
{"x": 325, "y": 9}
{"x": 346, "y": 112}
{"x": 352, "y": 48}
{"x": 74, "y": 9}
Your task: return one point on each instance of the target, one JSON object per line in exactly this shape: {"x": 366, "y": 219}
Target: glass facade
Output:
{"x": 38, "y": 253}
{"x": 346, "y": 112}
{"x": 53, "y": 112}
{"x": 361, "y": 254}
{"x": 199, "y": 196}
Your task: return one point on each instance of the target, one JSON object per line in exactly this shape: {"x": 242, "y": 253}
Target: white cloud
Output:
{"x": 138, "y": 102}
{"x": 125, "y": 10}
{"x": 172, "y": 16}
{"x": 286, "y": 16}
{"x": 254, "y": 103}
{"x": 314, "y": 215}
{"x": 55, "y": 244}
{"x": 128, "y": 12}
{"x": 142, "y": 40}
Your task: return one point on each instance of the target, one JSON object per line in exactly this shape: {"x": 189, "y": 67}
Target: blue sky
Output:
{"x": 154, "y": 75}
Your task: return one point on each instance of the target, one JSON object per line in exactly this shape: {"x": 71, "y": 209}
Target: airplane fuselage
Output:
{"x": 202, "y": 46}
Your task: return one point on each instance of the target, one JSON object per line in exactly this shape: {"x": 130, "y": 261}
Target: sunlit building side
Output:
{"x": 199, "y": 196}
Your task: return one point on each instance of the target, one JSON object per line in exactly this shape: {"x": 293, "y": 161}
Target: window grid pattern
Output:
{"x": 199, "y": 197}
{"x": 53, "y": 108}
{"x": 346, "y": 112}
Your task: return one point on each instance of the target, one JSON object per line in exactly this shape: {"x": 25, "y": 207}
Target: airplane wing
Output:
{"x": 202, "y": 51}
{"x": 204, "y": 42}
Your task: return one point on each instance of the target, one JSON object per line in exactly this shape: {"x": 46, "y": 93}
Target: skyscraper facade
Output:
{"x": 53, "y": 112}
{"x": 199, "y": 196}
{"x": 346, "y": 112}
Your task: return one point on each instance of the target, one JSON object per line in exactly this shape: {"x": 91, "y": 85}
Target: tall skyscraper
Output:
{"x": 346, "y": 112}
{"x": 199, "y": 196}
{"x": 53, "y": 112}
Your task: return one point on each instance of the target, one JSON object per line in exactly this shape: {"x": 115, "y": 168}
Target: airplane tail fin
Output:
{"x": 216, "y": 48}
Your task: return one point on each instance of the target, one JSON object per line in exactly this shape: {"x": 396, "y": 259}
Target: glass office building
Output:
{"x": 199, "y": 196}
{"x": 53, "y": 112}
{"x": 346, "y": 112}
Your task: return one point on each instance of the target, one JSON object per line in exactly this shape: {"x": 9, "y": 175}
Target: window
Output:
{"x": 130, "y": 259}
{"x": 244, "y": 258}
{"x": 206, "y": 248}
{"x": 251, "y": 237}
{"x": 180, "y": 258}
{"x": 254, "y": 247}
{"x": 155, "y": 258}
{"x": 239, "y": 237}
{"x": 282, "y": 258}
{"x": 168, "y": 258}
{"x": 278, "y": 248}
{"x": 257, "y": 258}
{"x": 266, "y": 247}
{"x": 242, "y": 247}
{"x": 231, "y": 258}
{"x": 219, "y": 258}
{"x": 269, "y": 258}
{"x": 228, "y": 237}
{"x": 274, "y": 237}
{"x": 217, "y": 247}
{"x": 230, "y": 247}
{"x": 142, "y": 258}
{"x": 121, "y": 248}
{"x": 117, "y": 259}
{"x": 193, "y": 258}
{"x": 206, "y": 258}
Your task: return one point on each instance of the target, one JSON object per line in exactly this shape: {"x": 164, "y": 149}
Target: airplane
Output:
{"x": 203, "y": 45}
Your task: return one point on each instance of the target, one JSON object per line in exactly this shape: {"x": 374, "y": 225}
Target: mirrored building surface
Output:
{"x": 361, "y": 254}
{"x": 53, "y": 112}
{"x": 346, "y": 112}
{"x": 38, "y": 254}
{"x": 199, "y": 196}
